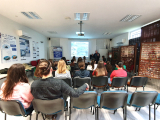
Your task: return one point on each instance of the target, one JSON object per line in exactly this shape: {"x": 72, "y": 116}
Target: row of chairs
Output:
{"x": 102, "y": 82}
{"x": 110, "y": 100}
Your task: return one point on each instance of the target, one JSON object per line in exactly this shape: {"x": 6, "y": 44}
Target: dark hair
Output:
{"x": 79, "y": 60}
{"x": 16, "y": 73}
{"x": 72, "y": 61}
{"x": 101, "y": 69}
{"x": 109, "y": 67}
{"x": 92, "y": 63}
{"x": 51, "y": 61}
{"x": 84, "y": 58}
{"x": 74, "y": 58}
{"x": 43, "y": 68}
{"x": 64, "y": 58}
{"x": 81, "y": 65}
{"x": 119, "y": 63}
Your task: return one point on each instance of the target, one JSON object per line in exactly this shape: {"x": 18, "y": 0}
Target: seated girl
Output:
{"x": 16, "y": 86}
{"x": 93, "y": 65}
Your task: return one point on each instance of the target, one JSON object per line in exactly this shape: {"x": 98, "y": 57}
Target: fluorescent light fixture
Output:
{"x": 81, "y": 16}
{"x": 130, "y": 18}
{"x": 79, "y": 33}
{"x": 31, "y": 15}
{"x": 106, "y": 33}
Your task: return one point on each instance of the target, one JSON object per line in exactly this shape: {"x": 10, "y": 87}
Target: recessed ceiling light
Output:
{"x": 31, "y": 15}
{"x": 81, "y": 16}
{"x": 130, "y": 18}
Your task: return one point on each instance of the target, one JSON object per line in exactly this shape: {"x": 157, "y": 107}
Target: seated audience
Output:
{"x": 100, "y": 70}
{"x": 84, "y": 59}
{"x": 93, "y": 65}
{"x": 118, "y": 73}
{"x": 55, "y": 65}
{"x": 49, "y": 88}
{"x": 16, "y": 86}
{"x": 124, "y": 67}
{"x": 104, "y": 60}
{"x": 62, "y": 70}
{"x": 109, "y": 68}
{"x": 67, "y": 66}
{"x": 74, "y": 58}
{"x": 72, "y": 63}
{"x": 76, "y": 65}
{"x": 82, "y": 72}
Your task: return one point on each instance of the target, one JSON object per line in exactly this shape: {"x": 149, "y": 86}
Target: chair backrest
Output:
{"x": 86, "y": 100}
{"x": 48, "y": 106}
{"x": 143, "y": 98}
{"x": 100, "y": 81}
{"x": 119, "y": 81}
{"x": 113, "y": 99}
{"x": 67, "y": 80}
{"x": 138, "y": 81}
{"x": 12, "y": 107}
{"x": 80, "y": 81}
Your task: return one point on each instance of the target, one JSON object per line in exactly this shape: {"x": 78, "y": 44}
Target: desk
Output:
{"x": 3, "y": 76}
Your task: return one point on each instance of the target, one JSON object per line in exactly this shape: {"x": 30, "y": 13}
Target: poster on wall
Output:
{"x": 8, "y": 48}
{"x": 24, "y": 48}
{"x": 57, "y": 52}
{"x": 35, "y": 49}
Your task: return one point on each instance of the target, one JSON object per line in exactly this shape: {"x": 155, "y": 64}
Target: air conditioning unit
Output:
{"x": 121, "y": 43}
{"x": 23, "y": 34}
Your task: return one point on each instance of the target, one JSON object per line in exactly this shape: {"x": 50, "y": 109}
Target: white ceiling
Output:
{"x": 104, "y": 15}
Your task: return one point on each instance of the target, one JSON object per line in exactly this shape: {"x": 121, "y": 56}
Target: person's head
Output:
{"x": 92, "y": 63}
{"x": 74, "y": 58}
{"x": 44, "y": 68}
{"x": 16, "y": 73}
{"x": 79, "y": 60}
{"x": 109, "y": 67}
{"x": 55, "y": 64}
{"x": 51, "y": 61}
{"x": 72, "y": 61}
{"x": 81, "y": 65}
{"x": 63, "y": 58}
{"x": 96, "y": 51}
{"x": 61, "y": 66}
{"x": 119, "y": 65}
{"x": 102, "y": 57}
{"x": 84, "y": 57}
{"x": 101, "y": 69}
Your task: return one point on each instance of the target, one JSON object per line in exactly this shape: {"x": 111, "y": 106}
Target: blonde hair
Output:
{"x": 61, "y": 67}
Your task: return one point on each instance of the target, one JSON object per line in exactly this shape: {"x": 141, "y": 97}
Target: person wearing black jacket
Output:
{"x": 96, "y": 56}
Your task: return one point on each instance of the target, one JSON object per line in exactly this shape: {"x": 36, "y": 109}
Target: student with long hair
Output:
{"x": 16, "y": 86}
{"x": 76, "y": 67}
{"x": 118, "y": 73}
{"x": 74, "y": 58}
{"x": 93, "y": 65}
{"x": 62, "y": 70}
{"x": 100, "y": 70}
{"x": 49, "y": 88}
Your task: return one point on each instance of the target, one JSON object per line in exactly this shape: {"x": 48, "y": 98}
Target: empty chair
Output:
{"x": 100, "y": 82}
{"x": 142, "y": 99}
{"x": 67, "y": 80}
{"x": 118, "y": 82}
{"x": 48, "y": 107}
{"x": 112, "y": 100}
{"x": 77, "y": 81}
{"x": 14, "y": 107}
{"x": 158, "y": 100}
{"x": 84, "y": 101}
{"x": 137, "y": 81}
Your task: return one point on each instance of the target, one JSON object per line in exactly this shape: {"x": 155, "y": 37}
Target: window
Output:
{"x": 135, "y": 34}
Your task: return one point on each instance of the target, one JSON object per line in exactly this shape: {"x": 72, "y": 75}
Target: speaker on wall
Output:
{"x": 110, "y": 39}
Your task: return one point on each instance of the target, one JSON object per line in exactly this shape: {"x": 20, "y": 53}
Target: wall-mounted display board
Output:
{"x": 149, "y": 64}
{"x": 115, "y": 55}
{"x": 57, "y": 52}
{"x": 8, "y": 48}
{"x": 24, "y": 48}
{"x": 128, "y": 58}
{"x": 35, "y": 46}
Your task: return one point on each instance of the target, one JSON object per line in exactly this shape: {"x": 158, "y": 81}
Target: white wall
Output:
{"x": 65, "y": 43}
{"x": 119, "y": 39}
{"x": 10, "y": 27}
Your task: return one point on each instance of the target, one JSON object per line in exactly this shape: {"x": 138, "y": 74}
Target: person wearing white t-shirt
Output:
{"x": 93, "y": 66}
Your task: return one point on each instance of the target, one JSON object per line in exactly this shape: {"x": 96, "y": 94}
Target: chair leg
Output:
{"x": 157, "y": 106}
{"x": 139, "y": 109}
{"x": 42, "y": 116}
{"x": 97, "y": 114}
{"x": 93, "y": 112}
{"x": 36, "y": 116}
{"x": 124, "y": 113}
{"x": 30, "y": 116}
{"x": 143, "y": 88}
{"x": 154, "y": 111}
{"x": 115, "y": 111}
{"x": 5, "y": 116}
{"x": 70, "y": 110}
{"x": 91, "y": 108}
{"x": 149, "y": 112}
{"x": 136, "y": 109}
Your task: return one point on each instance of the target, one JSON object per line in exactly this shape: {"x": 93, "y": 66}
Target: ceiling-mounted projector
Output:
{"x": 80, "y": 33}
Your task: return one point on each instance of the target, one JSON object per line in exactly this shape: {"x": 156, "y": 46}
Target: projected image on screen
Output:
{"x": 79, "y": 49}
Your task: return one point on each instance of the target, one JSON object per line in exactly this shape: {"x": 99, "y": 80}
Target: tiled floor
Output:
{"x": 103, "y": 114}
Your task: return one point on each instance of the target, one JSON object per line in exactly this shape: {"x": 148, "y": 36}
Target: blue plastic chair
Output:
{"x": 158, "y": 100}
{"x": 141, "y": 99}
{"x": 84, "y": 101}
{"x": 112, "y": 100}
{"x": 14, "y": 107}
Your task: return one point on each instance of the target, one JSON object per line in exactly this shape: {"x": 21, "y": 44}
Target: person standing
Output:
{"x": 96, "y": 56}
